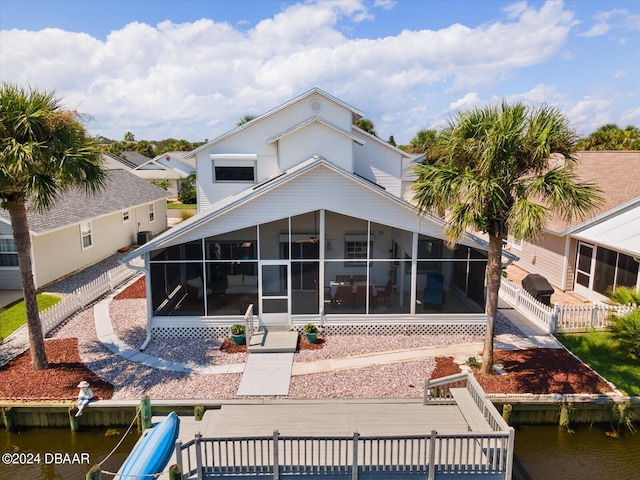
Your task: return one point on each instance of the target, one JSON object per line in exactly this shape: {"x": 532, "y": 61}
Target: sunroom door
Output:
{"x": 585, "y": 266}
{"x": 275, "y": 294}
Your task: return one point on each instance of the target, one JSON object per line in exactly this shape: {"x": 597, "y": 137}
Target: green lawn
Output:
{"x": 14, "y": 316}
{"x": 181, "y": 206}
{"x": 601, "y": 353}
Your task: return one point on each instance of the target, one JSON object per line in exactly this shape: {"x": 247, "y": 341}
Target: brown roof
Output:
{"x": 617, "y": 173}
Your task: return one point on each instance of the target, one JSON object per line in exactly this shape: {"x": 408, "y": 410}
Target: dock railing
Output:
{"x": 431, "y": 455}
{"x": 248, "y": 324}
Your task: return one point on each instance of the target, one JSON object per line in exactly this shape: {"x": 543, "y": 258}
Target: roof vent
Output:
{"x": 316, "y": 105}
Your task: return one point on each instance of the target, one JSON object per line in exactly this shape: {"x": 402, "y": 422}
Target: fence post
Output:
{"x": 425, "y": 396}
{"x": 276, "y": 462}
{"x": 198, "y": 437}
{"x": 553, "y": 322}
{"x": 516, "y": 301}
{"x": 110, "y": 280}
{"x": 510, "y": 448}
{"x": 354, "y": 467}
{"x": 432, "y": 455}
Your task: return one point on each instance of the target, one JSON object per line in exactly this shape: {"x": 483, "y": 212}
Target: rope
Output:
{"x": 123, "y": 437}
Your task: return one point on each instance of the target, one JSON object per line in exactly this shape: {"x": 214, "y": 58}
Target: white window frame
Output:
{"x": 357, "y": 248}
{"x": 86, "y": 234}
{"x": 247, "y": 160}
{"x": 126, "y": 216}
{"x": 14, "y": 252}
{"x": 151, "y": 212}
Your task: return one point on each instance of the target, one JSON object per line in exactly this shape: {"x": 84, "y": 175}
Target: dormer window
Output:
{"x": 234, "y": 167}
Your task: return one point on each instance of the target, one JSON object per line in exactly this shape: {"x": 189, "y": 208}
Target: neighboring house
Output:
{"x": 170, "y": 167}
{"x": 135, "y": 158}
{"x": 590, "y": 256}
{"x": 301, "y": 215}
{"x": 80, "y": 230}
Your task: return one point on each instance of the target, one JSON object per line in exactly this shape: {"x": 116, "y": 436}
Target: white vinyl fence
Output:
{"x": 560, "y": 318}
{"x": 83, "y": 296}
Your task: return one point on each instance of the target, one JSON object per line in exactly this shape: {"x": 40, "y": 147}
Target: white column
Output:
{"x": 322, "y": 241}
{"x": 414, "y": 271}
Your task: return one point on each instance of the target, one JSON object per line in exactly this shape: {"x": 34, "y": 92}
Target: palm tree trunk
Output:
{"x": 22, "y": 240}
{"x": 494, "y": 276}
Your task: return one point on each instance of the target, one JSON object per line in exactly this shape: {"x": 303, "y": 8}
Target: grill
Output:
{"x": 538, "y": 287}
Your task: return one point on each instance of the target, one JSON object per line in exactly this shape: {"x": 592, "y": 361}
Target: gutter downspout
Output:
{"x": 146, "y": 271}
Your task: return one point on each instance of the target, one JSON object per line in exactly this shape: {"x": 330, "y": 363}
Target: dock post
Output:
{"x": 94, "y": 473}
{"x": 432, "y": 455}
{"x": 74, "y": 422}
{"x": 179, "y": 454}
{"x": 198, "y": 412}
{"x": 198, "y": 456}
{"x": 354, "y": 467}
{"x": 276, "y": 462}
{"x": 175, "y": 472}
{"x": 8, "y": 418}
{"x": 145, "y": 413}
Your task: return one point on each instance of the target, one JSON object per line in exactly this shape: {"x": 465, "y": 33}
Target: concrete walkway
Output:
{"x": 266, "y": 374}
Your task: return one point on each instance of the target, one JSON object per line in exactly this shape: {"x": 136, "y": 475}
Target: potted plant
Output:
{"x": 311, "y": 332}
{"x": 237, "y": 333}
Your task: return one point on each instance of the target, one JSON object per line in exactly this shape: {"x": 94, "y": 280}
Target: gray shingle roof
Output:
{"x": 123, "y": 190}
{"x": 135, "y": 157}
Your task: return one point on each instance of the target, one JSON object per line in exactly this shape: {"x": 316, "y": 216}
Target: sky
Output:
{"x": 192, "y": 68}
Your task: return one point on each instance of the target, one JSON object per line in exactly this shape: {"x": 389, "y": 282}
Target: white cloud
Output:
{"x": 194, "y": 80}
{"x": 630, "y": 116}
{"x": 618, "y": 18}
{"x": 386, "y": 4}
{"x": 468, "y": 100}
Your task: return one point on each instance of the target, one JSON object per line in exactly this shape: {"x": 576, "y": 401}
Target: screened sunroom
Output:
{"x": 316, "y": 263}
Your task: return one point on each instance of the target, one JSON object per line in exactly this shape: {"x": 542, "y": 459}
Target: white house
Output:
{"x": 170, "y": 167}
{"x": 80, "y": 230}
{"x": 302, "y": 215}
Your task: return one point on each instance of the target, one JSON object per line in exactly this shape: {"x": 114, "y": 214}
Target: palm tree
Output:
{"x": 44, "y": 150}
{"x": 245, "y": 119}
{"x": 423, "y": 140}
{"x": 492, "y": 173}
{"x": 366, "y": 125}
{"x": 611, "y": 137}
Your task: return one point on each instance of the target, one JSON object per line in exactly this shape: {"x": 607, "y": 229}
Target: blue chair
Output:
{"x": 434, "y": 291}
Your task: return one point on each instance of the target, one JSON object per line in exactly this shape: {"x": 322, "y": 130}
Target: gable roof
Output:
{"x": 309, "y": 121}
{"x": 123, "y": 190}
{"x": 617, "y": 173}
{"x": 112, "y": 161}
{"x": 134, "y": 157}
{"x": 315, "y": 90}
{"x": 619, "y": 230}
{"x": 187, "y": 229}
{"x": 177, "y": 155}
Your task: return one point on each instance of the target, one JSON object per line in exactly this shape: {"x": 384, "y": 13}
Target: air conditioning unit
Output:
{"x": 144, "y": 237}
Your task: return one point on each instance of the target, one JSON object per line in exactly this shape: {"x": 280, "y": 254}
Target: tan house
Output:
{"x": 81, "y": 230}
{"x": 589, "y": 256}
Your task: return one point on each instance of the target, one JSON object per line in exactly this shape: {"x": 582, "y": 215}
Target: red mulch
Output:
{"x": 18, "y": 381}
{"x": 536, "y": 371}
{"x": 137, "y": 290}
{"x": 229, "y": 347}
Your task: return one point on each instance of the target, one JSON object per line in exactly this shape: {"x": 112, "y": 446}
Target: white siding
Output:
{"x": 253, "y": 139}
{"x": 379, "y": 164}
{"x": 544, "y": 256}
{"x": 315, "y": 139}
{"x": 320, "y": 188}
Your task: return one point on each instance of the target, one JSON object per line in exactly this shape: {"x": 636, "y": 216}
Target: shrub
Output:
{"x": 237, "y": 329}
{"x": 625, "y": 329}
{"x": 188, "y": 196}
{"x": 310, "y": 328}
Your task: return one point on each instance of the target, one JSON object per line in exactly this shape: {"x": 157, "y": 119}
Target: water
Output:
{"x": 548, "y": 453}
{"x": 85, "y": 449}
{"x": 542, "y": 453}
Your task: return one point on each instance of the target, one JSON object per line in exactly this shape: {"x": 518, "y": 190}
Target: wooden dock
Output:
{"x": 354, "y": 439}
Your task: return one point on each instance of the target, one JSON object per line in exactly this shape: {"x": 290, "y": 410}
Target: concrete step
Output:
{"x": 273, "y": 342}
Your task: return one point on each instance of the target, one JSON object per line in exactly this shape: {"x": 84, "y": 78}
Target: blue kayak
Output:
{"x": 152, "y": 453}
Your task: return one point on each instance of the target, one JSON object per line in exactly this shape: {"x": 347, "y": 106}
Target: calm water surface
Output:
{"x": 93, "y": 443}
{"x": 542, "y": 453}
